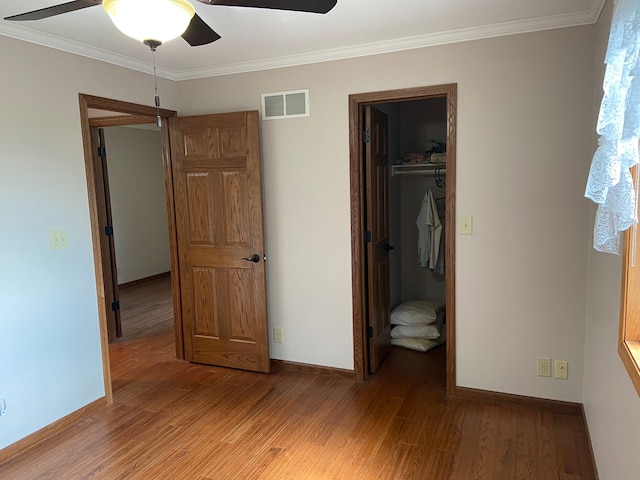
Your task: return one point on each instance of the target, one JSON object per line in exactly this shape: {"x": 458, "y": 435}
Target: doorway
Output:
{"x": 212, "y": 174}
{"x": 95, "y": 113}
{"x": 359, "y": 202}
{"x": 136, "y": 198}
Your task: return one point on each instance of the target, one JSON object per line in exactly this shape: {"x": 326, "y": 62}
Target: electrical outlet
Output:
{"x": 544, "y": 366}
{"x": 3, "y": 407}
{"x": 278, "y": 335}
{"x": 561, "y": 369}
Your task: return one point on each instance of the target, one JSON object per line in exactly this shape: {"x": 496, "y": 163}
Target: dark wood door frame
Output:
{"x": 358, "y": 263}
{"x": 110, "y": 269}
{"x": 124, "y": 113}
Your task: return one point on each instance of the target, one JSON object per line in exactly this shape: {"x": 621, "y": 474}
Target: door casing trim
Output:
{"x": 125, "y": 113}
{"x": 358, "y": 273}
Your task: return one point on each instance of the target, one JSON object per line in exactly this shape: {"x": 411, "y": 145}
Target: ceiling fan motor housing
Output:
{"x": 159, "y": 20}
{"x": 145, "y": 22}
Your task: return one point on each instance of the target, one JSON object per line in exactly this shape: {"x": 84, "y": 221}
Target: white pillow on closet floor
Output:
{"x": 427, "y": 332}
{"x": 413, "y": 313}
{"x": 420, "y": 344}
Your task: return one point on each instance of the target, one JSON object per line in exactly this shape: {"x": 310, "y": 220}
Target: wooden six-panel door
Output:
{"x": 219, "y": 226}
{"x": 377, "y": 224}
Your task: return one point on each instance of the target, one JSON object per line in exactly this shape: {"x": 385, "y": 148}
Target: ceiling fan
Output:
{"x": 197, "y": 32}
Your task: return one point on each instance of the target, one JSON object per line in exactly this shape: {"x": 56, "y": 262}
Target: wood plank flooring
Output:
{"x": 146, "y": 308}
{"x": 176, "y": 420}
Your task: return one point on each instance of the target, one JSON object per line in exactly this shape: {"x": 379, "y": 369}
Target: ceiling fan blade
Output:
{"x": 199, "y": 33}
{"x": 55, "y": 10}
{"x": 311, "y": 6}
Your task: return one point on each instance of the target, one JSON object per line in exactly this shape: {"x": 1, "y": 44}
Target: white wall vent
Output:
{"x": 291, "y": 104}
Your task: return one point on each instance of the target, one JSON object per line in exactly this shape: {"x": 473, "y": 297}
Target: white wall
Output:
{"x": 49, "y": 338}
{"x": 611, "y": 403}
{"x": 524, "y": 130}
{"x": 138, "y": 202}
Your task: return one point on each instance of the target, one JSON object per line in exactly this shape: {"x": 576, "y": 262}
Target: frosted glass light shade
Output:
{"x": 160, "y": 20}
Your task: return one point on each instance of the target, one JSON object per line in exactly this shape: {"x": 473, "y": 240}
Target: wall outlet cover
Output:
{"x": 544, "y": 366}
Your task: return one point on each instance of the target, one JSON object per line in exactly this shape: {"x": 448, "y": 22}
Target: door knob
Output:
{"x": 389, "y": 247}
{"x": 255, "y": 258}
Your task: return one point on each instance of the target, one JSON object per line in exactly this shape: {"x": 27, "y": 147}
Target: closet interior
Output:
{"x": 417, "y": 132}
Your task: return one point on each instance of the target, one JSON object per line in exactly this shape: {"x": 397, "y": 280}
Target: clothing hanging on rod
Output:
{"x": 429, "y": 233}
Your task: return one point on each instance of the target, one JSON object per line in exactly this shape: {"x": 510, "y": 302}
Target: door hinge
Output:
{"x": 115, "y": 306}
{"x": 366, "y": 136}
{"x": 108, "y": 230}
{"x": 369, "y": 331}
{"x": 367, "y": 236}
{"x": 102, "y": 152}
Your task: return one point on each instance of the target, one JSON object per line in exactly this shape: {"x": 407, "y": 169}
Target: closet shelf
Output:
{"x": 419, "y": 169}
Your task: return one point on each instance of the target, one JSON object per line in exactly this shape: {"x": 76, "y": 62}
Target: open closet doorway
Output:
{"x": 404, "y": 127}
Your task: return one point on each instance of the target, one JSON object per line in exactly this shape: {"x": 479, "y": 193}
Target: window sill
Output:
{"x": 630, "y": 354}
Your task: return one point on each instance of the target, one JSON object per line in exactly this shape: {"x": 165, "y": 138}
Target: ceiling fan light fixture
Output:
{"x": 158, "y": 20}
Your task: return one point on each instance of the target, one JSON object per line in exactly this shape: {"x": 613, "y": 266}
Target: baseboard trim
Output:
{"x": 555, "y": 406}
{"x": 591, "y": 454}
{"x": 284, "y": 365}
{"x": 142, "y": 281}
{"x": 49, "y": 431}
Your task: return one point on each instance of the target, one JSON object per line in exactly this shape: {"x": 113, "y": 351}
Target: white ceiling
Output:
{"x": 258, "y": 39}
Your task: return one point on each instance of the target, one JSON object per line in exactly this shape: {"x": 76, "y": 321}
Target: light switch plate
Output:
{"x": 465, "y": 225}
{"x": 58, "y": 239}
{"x": 561, "y": 369}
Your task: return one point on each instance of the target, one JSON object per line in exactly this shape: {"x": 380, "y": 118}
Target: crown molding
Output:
{"x": 585, "y": 17}
{"x": 71, "y": 46}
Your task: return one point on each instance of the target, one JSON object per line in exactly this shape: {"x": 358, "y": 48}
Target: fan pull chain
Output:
{"x": 153, "y": 45}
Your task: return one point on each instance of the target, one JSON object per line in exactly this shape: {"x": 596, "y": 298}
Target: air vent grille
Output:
{"x": 291, "y": 104}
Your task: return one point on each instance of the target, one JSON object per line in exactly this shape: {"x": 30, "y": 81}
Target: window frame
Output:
{"x": 629, "y": 332}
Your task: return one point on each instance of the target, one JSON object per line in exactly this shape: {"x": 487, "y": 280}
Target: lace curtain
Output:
{"x": 610, "y": 184}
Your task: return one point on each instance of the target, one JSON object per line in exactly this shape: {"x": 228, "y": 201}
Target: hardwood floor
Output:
{"x": 176, "y": 420}
{"x": 146, "y": 308}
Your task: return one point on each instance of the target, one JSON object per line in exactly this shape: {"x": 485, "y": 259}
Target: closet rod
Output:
{"x": 428, "y": 169}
